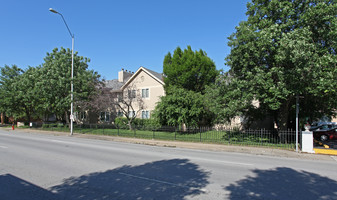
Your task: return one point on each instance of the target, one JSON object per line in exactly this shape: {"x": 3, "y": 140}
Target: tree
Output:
{"x": 8, "y": 102}
{"x": 189, "y": 70}
{"x": 187, "y": 73}
{"x": 27, "y": 95}
{"x": 130, "y": 103}
{"x": 284, "y": 49}
{"x": 55, "y": 82}
{"x": 182, "y": 106}
{"x": 98, "y": 101}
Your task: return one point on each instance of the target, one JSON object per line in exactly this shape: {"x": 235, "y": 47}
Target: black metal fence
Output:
{"x": 266, "y": 138}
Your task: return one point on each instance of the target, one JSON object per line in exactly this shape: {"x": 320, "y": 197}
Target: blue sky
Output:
{"x": 117, "y": 34}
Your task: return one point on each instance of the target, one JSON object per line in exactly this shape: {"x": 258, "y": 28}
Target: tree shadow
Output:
{"x": 166, "y": 179}
{"x": 14, "y": 188}
{"x": 283, "y": 183}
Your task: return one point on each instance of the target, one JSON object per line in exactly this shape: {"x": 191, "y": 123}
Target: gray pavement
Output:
{"x": 50, "y": 165}
{"x": 191, "y": 145}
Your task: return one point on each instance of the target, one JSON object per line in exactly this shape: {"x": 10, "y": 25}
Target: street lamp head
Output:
{"x": 54, "y": 11}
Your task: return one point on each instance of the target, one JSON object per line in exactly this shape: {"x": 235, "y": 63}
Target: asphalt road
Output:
{"x": 39, "y": 166}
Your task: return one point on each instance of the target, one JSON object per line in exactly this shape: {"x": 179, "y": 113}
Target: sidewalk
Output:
{"x": 190, "y": 145}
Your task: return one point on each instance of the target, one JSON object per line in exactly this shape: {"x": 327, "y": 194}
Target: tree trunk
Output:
{"x": 2, "y": 118}
{"x": 67, "y": 117}
{"x": 28, "y": 115}
{"x": 129, "y": 124}
{"x": 283, "y": 115}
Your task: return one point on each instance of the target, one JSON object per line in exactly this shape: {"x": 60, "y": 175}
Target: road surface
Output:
{"x": 40, "y": 166}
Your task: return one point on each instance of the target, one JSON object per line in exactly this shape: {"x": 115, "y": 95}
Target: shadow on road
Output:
{"x": 14, "y": 188}
{"x": 166, "y": 179}
{"x": 283, "y": 183}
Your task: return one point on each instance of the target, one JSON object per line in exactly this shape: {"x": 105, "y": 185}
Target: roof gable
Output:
{"x": 156, "y": 76}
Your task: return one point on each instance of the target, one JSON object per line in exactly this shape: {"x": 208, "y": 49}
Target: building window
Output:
{"x": 120, "y": 114}
{"x": 105, "y": 116}
{"x": 120, "y": 97}
{"x": 132, "y": 114}
{"x": 145, "y": 93}
{"x": 145, "y": 114}
{"x": 132, "y": 93}
{"x": 83, "y": 115}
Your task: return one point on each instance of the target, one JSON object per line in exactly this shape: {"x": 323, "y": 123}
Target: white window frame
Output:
{"x": 145, "y": 114}
{"x": 132, "y": 114}
{"x": 132, "y": 94}
{"x": 105, "y": 116}
{"x": 145, "y": 93}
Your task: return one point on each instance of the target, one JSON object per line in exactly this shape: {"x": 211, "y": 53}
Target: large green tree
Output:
{"x": 27, "y": 95}
{"x": 188, "y": 69}
{"x": 186, "y": 76}
{"x": 183, "y": 106}
{"x": 285, "y": 48}
{"x": 40, "y": 91}
{"x": 55, "y": 81}
{"x": 9, "y": 102}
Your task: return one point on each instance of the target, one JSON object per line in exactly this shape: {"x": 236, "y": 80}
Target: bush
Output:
{"x": 121, "y": 122}
{"x": 60, "y": 125}
{"x": 45, "y": 125}
{"x": 52, "y": 125}
{"x": 145, "y": 124}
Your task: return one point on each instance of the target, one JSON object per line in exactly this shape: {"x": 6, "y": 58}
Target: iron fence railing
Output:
{"x": 267, "y": 138}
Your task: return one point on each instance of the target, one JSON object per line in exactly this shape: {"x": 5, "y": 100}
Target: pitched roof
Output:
{"x": 155, "y": 75}
{"x": 116, "y": 85}
{"x": 113, "y": 84}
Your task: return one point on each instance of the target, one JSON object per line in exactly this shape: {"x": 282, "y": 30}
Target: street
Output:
{"x": 38, "y": 166}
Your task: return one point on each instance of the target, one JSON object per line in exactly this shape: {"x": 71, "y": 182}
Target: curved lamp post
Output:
{"x": 72, "y": 71}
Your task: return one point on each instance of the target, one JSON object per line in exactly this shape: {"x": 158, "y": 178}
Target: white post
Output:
{"x": 307, "y": 142}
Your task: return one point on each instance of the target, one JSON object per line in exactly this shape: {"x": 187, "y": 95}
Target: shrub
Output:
{"x": 145, "y": 124}
{"x": 121, "y": 122}
{"x": 52, "y": 125}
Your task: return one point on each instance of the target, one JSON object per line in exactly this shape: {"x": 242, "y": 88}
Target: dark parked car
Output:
{"x": 323, "y": 126}
{"x": 325, "y": 134}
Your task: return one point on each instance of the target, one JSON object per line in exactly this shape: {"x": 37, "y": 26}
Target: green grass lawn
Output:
{"x": 218, "y": 137}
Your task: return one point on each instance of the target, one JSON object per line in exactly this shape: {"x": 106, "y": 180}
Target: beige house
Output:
{"x": 147, "y": 87}
{"x": 133, "y": 93}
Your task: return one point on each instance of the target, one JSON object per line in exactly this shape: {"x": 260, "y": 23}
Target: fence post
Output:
{"x": 117, "y": 130}
{"x": 134, "y": 132}
{"x": 153, "y": 133}
{"x": 261, "y": 137}
{"x": 103, "y": 129}
{"x": 200, "y": 134}
{"x": 229, "y": 136}
{"x": 175, "y": 134}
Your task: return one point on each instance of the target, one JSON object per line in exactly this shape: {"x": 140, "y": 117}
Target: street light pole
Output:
{"x": 72, "y": 72}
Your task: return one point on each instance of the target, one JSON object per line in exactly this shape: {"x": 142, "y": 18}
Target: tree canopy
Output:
{"x": 183, "y": 106}
{"x": 55, "y": 81}
{"x": 285, "y": 48}
{"x": 189, "y": 70}
{"x": 40, "y": 91}
{"x": 9, "y": 101}
{"x": 187, "y": 74}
